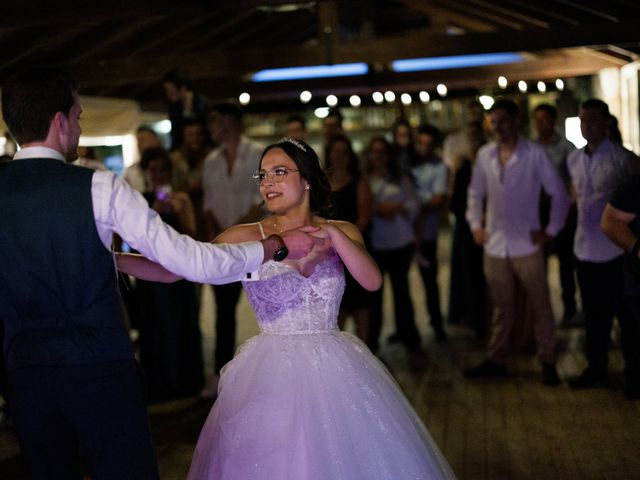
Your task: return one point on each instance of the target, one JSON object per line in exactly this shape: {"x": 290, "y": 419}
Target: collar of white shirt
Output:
{"x": 38, "y": 152}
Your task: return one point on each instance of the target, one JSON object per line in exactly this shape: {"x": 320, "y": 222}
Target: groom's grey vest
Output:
{"x": 59, "y": 303}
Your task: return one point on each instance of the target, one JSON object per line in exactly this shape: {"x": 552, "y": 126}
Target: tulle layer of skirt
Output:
{"x": 314, "y": 406}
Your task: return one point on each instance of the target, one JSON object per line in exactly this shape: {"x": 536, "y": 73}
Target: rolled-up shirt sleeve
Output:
{"x": 120, "y": 209}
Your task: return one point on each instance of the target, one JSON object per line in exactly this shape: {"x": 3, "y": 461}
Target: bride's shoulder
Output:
{"x": 245, "y": 232}
{"x": 341, "y": 224}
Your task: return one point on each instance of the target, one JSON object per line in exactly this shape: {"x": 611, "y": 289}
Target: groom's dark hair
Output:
{"x": 31, "y": 98}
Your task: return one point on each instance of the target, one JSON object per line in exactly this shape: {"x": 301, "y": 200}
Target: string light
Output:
{"x": 355, "y": 101}
{"x": 305, "y": 96}
{"x": 332, "y": 100}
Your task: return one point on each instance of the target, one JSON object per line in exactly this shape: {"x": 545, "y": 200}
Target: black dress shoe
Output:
{"x": 550, "y": 376}
{"x": 589, "y": 379}
{"x": 487, "y": 369}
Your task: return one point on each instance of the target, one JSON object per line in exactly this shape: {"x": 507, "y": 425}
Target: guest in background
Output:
{"x": 509, "y": 174}
{"x": 87, "y": 158}
{"x": 467, "y": 294}
{"x": 558, "y": 148}
{"x": 403, "y": 145}
{"x": 456, "y": 144}
{"x": 331, "y": 126}
{"x": 430, "y": 176}
{"x": 296, "y": 128}
{"x": 184, "y": 104}
{"x": 195, "y": 148}
{"x": 170, "y": 340}
{"x": 350, "y": 200}
{"x": 395, "y": 206}
{"x": 614, "y": 133}
{"x": 621, "y": 223}
{"x": 596, "y": 171}
{"x": 134, "y": 174}
{"x": 229, "y": 198}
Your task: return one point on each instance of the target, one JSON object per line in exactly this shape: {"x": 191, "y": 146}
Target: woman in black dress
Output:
{"x": 350, "y": 201}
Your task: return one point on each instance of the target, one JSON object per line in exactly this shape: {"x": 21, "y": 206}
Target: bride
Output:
{"x": 303, "y": 400}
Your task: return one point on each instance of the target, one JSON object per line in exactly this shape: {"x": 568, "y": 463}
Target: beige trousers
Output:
{"x": 502, "y": 276}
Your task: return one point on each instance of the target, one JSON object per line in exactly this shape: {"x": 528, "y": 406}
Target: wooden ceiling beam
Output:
{"x": 443, "y": 17}
{"x": 122, "y": 34}
{"x": 460, "y": 6}
{"x": 224, "y": 23}
{"x": 506, "y": 12}
{"x": 21, "y": 15}
{"x": 163, "y": 37}
{"x": 215, "y": 63}
{"x": 43, "y": 44}
{"x": 545, "y": 10}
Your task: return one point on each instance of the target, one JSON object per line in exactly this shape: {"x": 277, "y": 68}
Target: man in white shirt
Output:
{"x": 72, "y": 380}
{"x": 508, "y": 175}
{"x": 596, "y": 171}
{"x": 229, "y": 197}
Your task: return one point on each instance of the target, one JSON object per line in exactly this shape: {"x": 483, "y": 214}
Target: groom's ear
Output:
{"x": 57, "y": 127}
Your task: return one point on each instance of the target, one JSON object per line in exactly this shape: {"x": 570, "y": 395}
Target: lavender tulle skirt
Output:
{"x": 313, "y": 406}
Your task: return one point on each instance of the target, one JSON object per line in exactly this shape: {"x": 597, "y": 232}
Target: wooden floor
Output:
{"x": 513, "y": 428}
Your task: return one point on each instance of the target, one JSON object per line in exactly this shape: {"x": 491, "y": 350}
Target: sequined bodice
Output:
{"x": 285, "y": 301}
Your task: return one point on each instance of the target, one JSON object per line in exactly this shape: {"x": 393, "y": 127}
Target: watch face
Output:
{"x": 280, "y": 254}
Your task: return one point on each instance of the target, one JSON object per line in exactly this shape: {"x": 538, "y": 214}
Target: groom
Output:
{"x": 73, "y": 384}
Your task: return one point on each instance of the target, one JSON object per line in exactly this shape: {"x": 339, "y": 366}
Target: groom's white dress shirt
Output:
{"x": 118, "y": 208}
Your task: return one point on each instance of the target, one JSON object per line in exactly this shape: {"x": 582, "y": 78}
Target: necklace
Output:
{"x": 275, "y": 224}
{"x": 277, "y": 227}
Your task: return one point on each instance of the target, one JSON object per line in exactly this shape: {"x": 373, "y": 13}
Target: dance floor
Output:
{"x": 512, "y": 428}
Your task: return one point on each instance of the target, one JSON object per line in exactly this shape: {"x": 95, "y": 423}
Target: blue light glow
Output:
{"x": 317, "y": 71}
{"x": 458, "y": 61}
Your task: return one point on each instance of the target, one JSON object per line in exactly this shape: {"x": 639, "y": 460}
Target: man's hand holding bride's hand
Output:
{"x": 300, "y": 241}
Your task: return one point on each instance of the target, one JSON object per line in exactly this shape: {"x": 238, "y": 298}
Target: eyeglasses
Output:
{"x": 277, "y": 175}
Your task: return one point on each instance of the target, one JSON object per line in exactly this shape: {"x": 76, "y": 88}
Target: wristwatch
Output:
{"x": 282, "y": 251}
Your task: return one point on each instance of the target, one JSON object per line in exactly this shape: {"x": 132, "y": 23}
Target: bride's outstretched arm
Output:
{"x": 348, "y": 243}
{"x": 143, "y": 268}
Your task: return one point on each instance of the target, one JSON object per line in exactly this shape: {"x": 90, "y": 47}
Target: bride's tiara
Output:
{"x": 294, "y": 142}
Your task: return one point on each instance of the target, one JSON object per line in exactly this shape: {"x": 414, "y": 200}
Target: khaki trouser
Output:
{"x": 502, "y": 275}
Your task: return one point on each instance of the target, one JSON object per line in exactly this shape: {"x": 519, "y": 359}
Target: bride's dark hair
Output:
{"x": 309, "y": 167}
